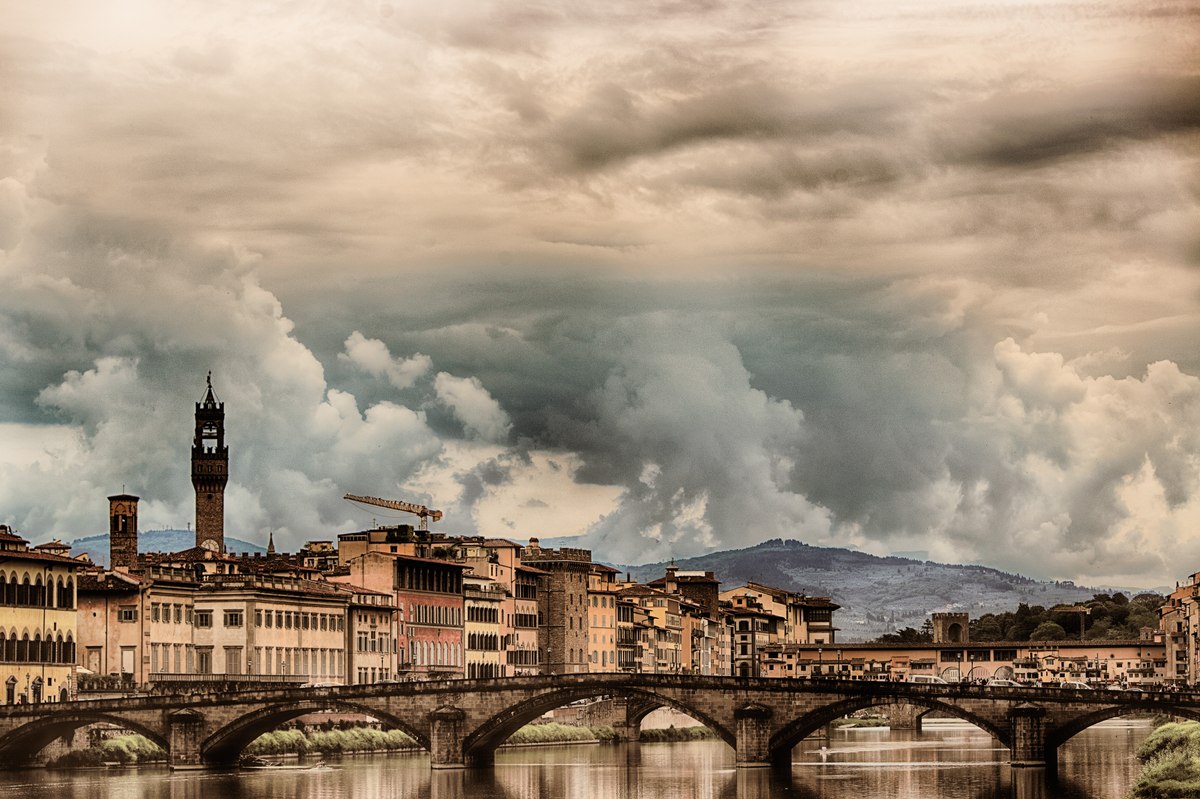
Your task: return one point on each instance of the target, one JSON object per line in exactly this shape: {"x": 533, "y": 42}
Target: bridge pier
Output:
{"x": 185, "y": 730}
{"x": 753, "y": 736}
{"x": 1027, "y": 731}
{"x": 627, "y": 731}
{"x": 446, "y": 737}
{"x": 905, "y": 716}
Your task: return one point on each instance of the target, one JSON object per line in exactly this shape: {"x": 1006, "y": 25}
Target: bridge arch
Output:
{"x": 20, "y": 745}
{"x": 1059, "y": 735}
{"x": 484, "y": 739}
{"x": 224, "y": 745}
{"x": 797, "y": 730}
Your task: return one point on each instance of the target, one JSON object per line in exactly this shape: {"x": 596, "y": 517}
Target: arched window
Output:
{"x": 23, "y": 649}
{"x": 10, "y": 647}
{"x": 3, "y": 589}
{"x": 39, "y": 593}
{"x": 3, "y": 647}
{"x": 70, "y": 593}
{"x": 24, "y": 592}
{"x": 69, "y": 650}
{"x": 36, "y": 655}
{"x": 10, "y": 590}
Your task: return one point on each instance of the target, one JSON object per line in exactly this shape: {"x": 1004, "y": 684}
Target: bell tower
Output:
{"x": 210, "y": 471}
{"x": 122, "y": 531}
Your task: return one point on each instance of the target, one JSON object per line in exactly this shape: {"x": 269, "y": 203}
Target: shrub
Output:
{"x": 1170, "y": 739}
{"x": 552, "y": 732}
{"x": 329, "y": 741}
{"x": 125, "y": 749}
{"x": 673, "y": 734}
{"x": 1172, "y": 757}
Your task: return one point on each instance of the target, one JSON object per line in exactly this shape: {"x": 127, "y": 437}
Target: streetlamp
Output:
{"x": 820, "y": 660}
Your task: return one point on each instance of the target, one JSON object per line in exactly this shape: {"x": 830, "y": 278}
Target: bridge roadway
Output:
{"x": 461, "y": 722}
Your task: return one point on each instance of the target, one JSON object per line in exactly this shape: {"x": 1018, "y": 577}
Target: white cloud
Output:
{"x": 372, "y": 356}
{"x": 480, "y": 414}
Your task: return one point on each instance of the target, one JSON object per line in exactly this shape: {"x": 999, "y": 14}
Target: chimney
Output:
{"x": 122, "y": 532}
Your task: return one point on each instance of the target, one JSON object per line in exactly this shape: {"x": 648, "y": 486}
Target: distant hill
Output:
{"x": 877, "y": 594}
{"x": 154, "y": 541}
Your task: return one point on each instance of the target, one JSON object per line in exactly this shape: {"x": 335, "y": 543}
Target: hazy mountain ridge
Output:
{"x": 877, "y": 594}
{"x": 154, "y": 541}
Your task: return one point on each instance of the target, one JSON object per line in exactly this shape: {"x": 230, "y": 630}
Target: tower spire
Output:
{"x": 210, "y": 470}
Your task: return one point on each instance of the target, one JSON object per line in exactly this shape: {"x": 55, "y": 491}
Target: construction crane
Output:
{"x": 1082, "y": 610}
{"x": 420, "y": 510}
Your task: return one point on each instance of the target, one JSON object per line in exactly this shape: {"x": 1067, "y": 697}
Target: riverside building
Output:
{"x": 37, "y": 622}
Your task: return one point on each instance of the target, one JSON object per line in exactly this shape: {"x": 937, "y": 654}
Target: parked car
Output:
{"x": 998, "y": 683}
{"x": 927, "y": 679}
{"x": 1075, "y": 686}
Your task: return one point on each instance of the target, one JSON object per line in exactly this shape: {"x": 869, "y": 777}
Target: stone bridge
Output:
{"x": 461, "y": 722}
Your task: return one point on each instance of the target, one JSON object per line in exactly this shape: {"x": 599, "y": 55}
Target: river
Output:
{"x": 947, "y": 760}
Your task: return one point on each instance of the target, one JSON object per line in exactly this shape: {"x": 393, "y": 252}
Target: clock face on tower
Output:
{"x": 210, "y": 545}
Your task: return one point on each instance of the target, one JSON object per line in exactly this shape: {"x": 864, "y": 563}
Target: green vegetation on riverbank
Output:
{"x": 674, "y": 734}
{"x": 131, "y": 749}
{"x": 554, "y": 732}
{"x": 850, "y": 721}
{"x": 1172, "y": 757}
{"x": 329, "y": 742}
{"x": 128, "y": 750}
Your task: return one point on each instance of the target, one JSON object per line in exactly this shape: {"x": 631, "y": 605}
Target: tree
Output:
{"x": 1048, "y": 631}
{"x": 906, "y": 636}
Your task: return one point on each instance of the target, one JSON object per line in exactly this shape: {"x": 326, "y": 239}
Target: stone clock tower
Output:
{"x": 210, "y": 471}
{"x": 123, "y": 531}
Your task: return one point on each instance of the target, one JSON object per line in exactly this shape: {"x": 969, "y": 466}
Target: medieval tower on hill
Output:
{"x": 210, "y": 471}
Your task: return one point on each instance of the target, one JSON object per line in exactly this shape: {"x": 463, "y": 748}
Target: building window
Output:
{"x": 154, "y": 615}
{"x": 128, "y": 613}
{"x": 203, "y": 618}
{"x": 234, "y": 618}
{"x": 258, "y": 618}
{"x": 233, "y": 660}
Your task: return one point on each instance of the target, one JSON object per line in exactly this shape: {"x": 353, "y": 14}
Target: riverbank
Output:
{"x": 123, "y": 750}
{"x": 1171, "y": 755}
{"x": 851, "y": 722}
{"x": 132, "y": 750}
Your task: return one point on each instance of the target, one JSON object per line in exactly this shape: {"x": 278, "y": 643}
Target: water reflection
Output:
{"x": 949, "y": 760}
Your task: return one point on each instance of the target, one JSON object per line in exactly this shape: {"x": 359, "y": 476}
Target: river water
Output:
{"x": 947, "y": 760}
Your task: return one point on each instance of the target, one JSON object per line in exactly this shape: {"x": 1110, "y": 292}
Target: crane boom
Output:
{"x": 395, "y": 504}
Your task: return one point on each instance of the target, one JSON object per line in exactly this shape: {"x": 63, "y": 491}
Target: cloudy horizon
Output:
{"x": 674, "y": 277}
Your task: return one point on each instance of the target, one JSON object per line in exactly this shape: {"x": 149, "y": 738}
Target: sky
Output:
{"x": 900, "y": 275}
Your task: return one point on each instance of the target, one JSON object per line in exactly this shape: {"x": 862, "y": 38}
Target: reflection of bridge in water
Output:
{"x": 461, "y": 722}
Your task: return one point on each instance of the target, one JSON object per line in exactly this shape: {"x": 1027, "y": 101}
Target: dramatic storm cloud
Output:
{"x": 902, "y": 275}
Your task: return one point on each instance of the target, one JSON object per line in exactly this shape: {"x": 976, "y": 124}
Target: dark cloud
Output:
{"x": 1018, "y": 130}
{"x": 675, "y": 276}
